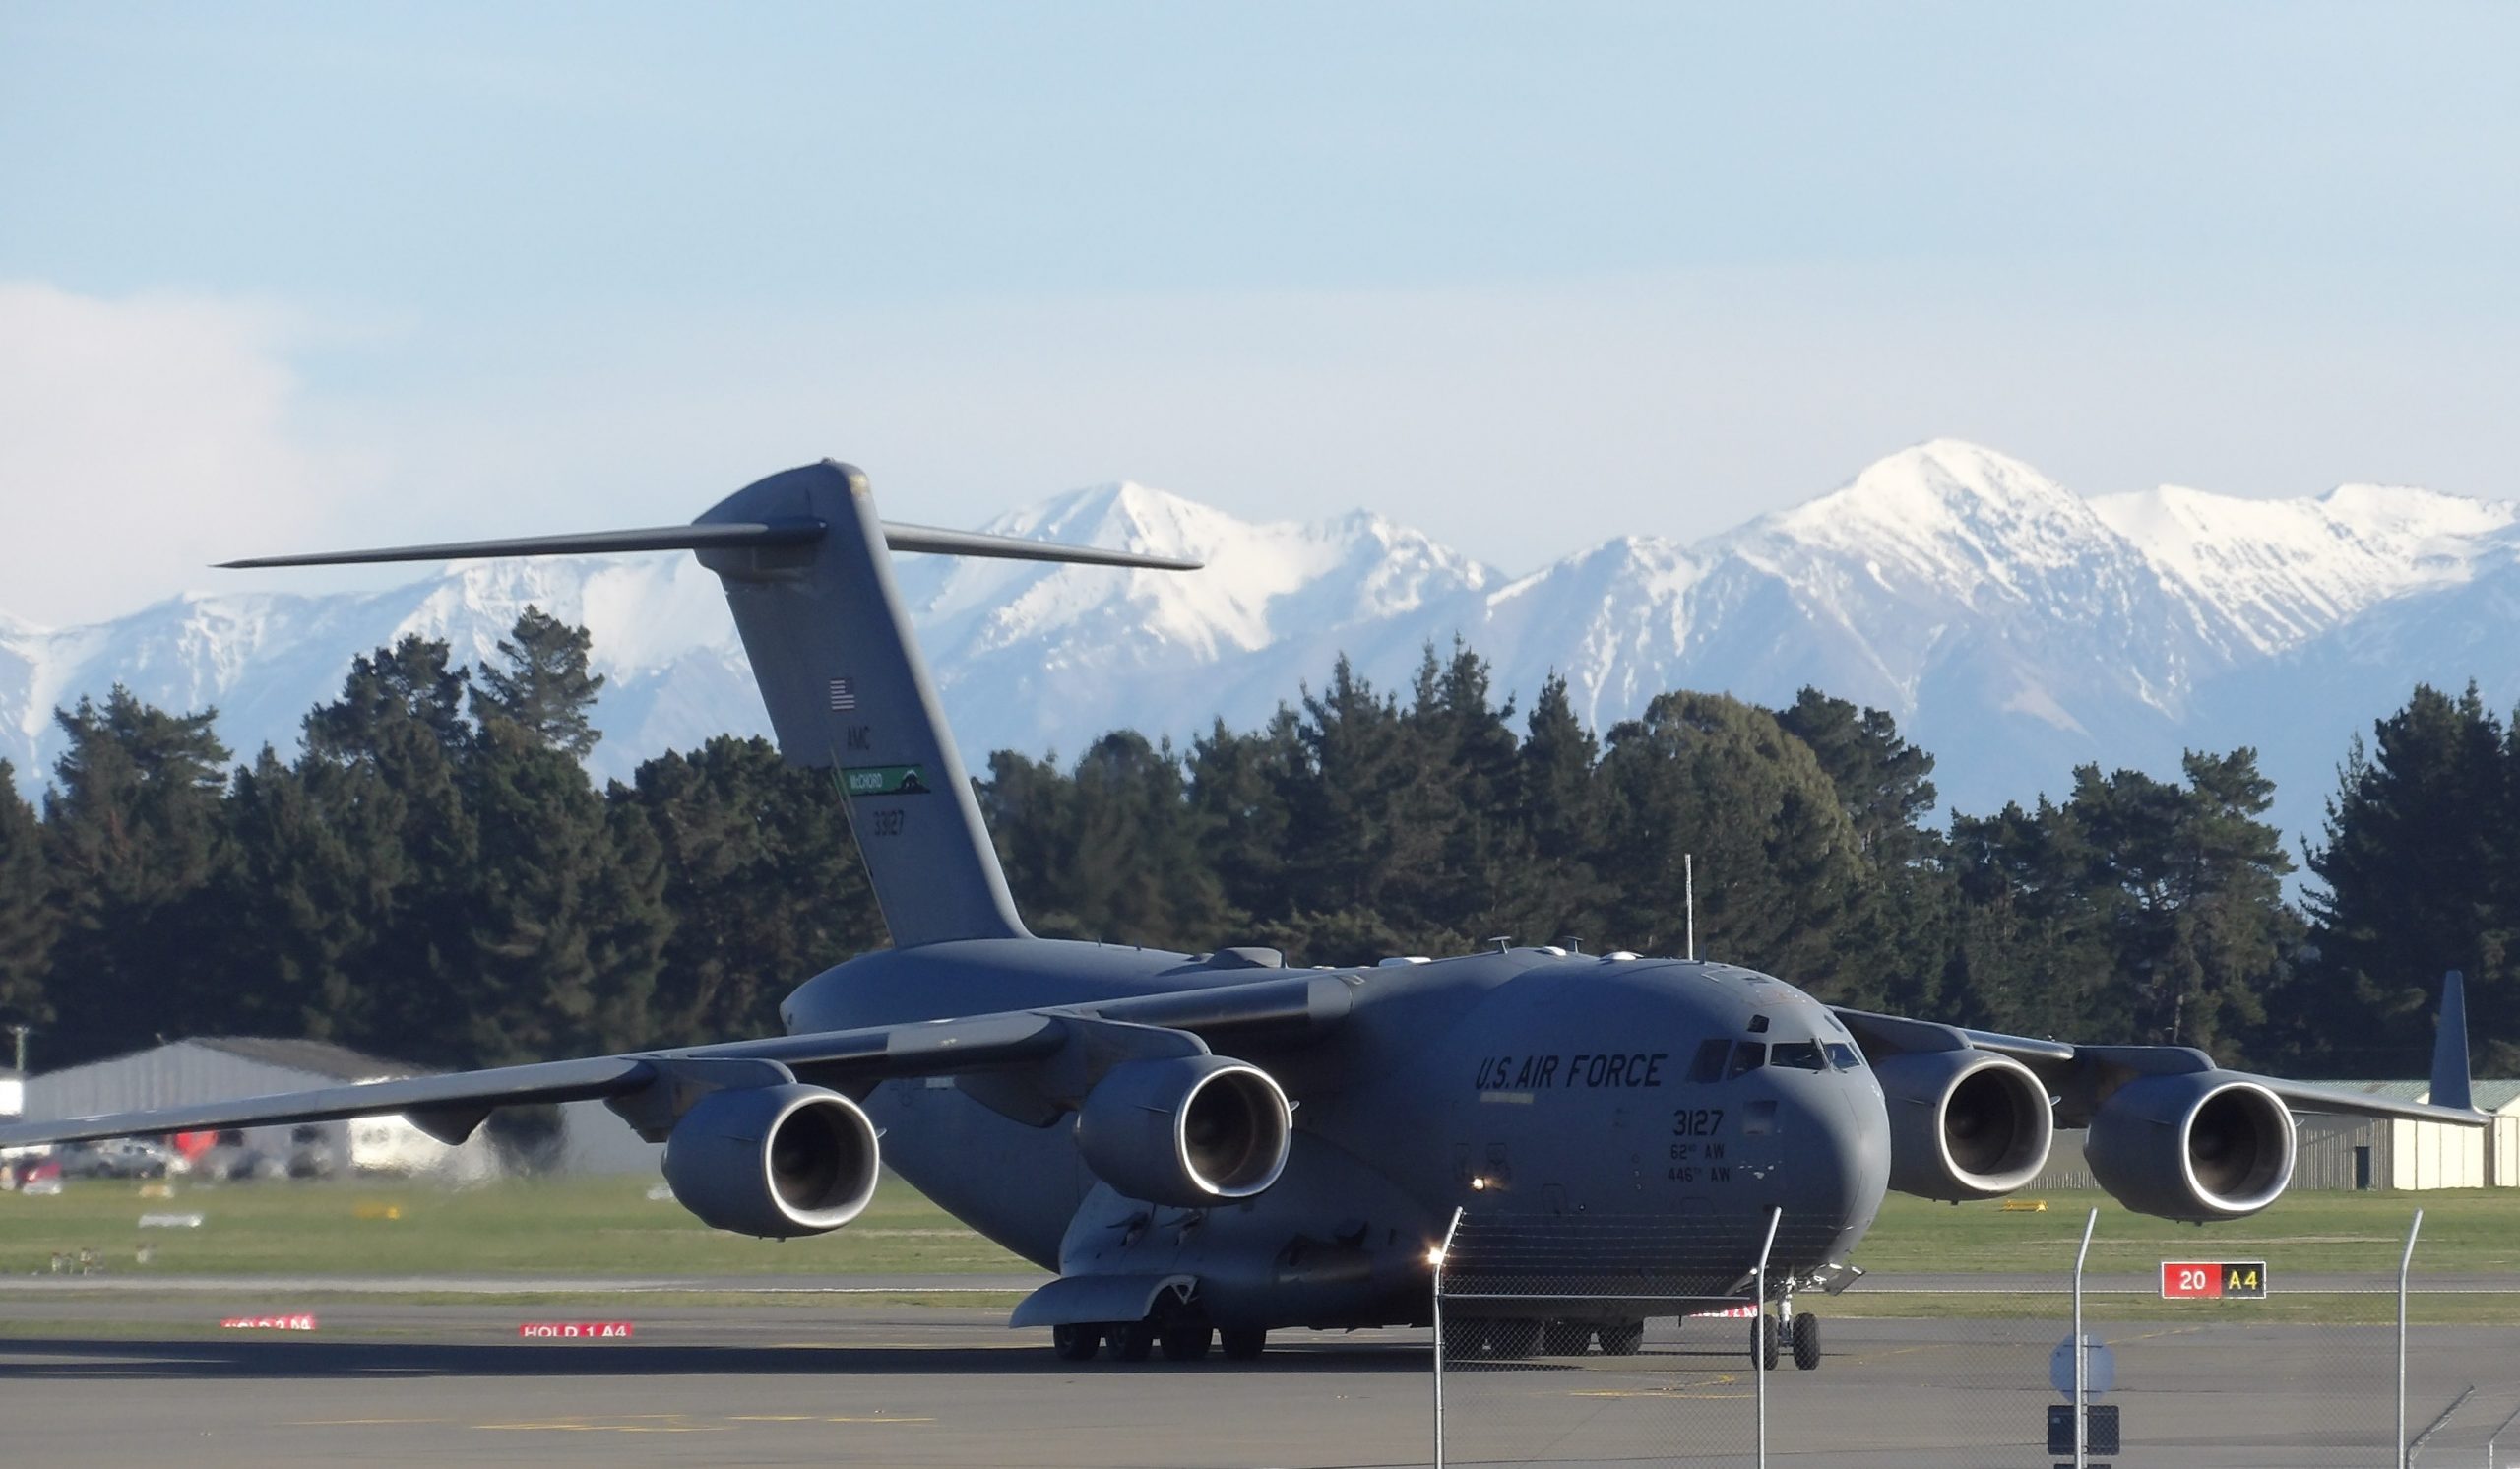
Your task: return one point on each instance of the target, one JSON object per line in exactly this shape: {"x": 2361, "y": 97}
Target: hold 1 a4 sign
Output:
{"x": 2214, "y": 1280}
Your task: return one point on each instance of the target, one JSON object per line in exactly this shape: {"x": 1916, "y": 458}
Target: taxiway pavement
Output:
{"x": 117, "y": 1379}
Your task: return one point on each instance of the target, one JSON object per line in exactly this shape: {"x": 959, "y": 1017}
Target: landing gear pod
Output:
{"x": 2198, "y": 1146}
{"x": 773, "y": 1161}
{"x": 1964, "y": 1125}
{"x": 1189, "y": 1131}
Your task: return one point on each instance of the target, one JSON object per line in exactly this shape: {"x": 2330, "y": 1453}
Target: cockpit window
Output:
{"x": 1759, "y": 1023}
{"x": 1845, "y": 1057}
{"x": 1708, "y": 1065}
{"x": 1747, "y": 1057}
{"x": 1802, "y": 1055}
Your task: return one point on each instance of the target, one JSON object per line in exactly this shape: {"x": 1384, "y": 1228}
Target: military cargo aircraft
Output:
{"x": 1207, "y": 1147}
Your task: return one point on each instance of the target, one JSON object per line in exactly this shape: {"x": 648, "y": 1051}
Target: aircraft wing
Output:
{"x": 652, "y": 1088}
{"x": 2081, "y": 1077}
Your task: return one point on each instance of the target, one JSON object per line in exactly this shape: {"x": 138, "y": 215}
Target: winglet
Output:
{"x": 2450, "y": 1047}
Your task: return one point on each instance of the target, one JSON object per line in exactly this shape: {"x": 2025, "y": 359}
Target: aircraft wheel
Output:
{"x": 1807, "y": 1342}
{"x": 1242, "y": 1343}
{"x": 1565, "y": 1338}
{"x": 1186, "y": 1341}
{"x": 1623, "y": 1338}
{"x": 1075, "y": 1341}
{"x": 1132, "y": 1341}
{"x": 1514, "y": 1338}
{"x": 1768, "y": 1342}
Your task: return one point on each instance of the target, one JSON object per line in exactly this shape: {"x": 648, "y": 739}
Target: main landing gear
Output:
{"x": 1181, "y": 1339}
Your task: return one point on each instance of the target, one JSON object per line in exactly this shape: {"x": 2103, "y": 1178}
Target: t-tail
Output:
{"x": 806, "y": 567}
{"x": 2450, "y": 1047}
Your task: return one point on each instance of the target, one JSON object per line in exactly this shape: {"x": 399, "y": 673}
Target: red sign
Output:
{"x": 270, "y": 1323}
{"x": 575, "y": 1330}
{"x": 2212, "y": 1280}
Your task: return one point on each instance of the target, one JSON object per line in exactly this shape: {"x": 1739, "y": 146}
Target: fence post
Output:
{"x": 1440, "y": 1251}
{"x": 2082, "y": 1351}
{"x": 1759, "y": 1332}
{"x": 2406, "y": 1262}
{"x": 2490, "y": 1443}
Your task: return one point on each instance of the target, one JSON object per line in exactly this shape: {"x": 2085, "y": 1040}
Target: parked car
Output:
{"x": 120, "y": 1158}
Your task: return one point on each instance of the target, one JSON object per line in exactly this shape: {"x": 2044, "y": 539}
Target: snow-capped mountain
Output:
{"x": 2014, "y": 628}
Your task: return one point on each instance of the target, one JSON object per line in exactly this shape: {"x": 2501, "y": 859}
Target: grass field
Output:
{"x": 2464, "y": 1230}
{"x": 609, "y": 1226}
{"x": 571, "y": 1227}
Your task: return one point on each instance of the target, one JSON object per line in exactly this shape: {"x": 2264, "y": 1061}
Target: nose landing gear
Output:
{"x": 1799, "y": 1331}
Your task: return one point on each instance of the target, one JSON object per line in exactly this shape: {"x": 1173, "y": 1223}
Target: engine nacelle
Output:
{"x": 2198, "y": 1146}
{"x": 1186, "y": 1131}
{"x": 773, "y": 1161}
{"x": 1964, "y": 1124}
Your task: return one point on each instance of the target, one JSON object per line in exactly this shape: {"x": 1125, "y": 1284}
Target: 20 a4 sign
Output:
{"x": 2214, "y": 1280}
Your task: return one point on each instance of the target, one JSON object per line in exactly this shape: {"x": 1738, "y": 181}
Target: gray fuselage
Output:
{"x": 1648, "y": 1111}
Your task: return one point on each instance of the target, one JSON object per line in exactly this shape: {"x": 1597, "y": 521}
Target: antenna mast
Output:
{"x": 1688, "y": 877}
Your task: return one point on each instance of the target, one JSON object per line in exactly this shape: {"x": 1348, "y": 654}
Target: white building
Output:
{"x": 2360, "y": 1153}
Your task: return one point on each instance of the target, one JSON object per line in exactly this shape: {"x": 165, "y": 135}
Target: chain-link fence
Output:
{"x": 2218, "y": 1350}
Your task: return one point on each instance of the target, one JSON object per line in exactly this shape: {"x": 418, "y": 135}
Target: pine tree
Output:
{"x": 567, "y": 924}
{"x": 382, "y": 770}
{"x": 29, "y": 923}
{"x": 1242, "y": 787}
{"x": 135, "y": 832}
{"x": 544, "y": 689}
{"x": 2191, "y": 885}
{"x": 763, "y": 883}
{"x": 1777, "y": 873}
{"x": 300, "y": 900}
{"x": 2414, "y": 878}
{"x": 2030, "y": 951}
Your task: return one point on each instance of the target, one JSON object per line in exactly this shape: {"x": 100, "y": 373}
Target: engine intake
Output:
{"x": 1187, "y": 1130}
{"x": 773, "y": 1161}
{"x": 2197, "y": 1147}
{"x": 1964, "y": 1125}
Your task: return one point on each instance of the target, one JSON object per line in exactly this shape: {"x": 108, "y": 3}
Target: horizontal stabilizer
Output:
{"x": 591, "y": 543}
{"x": 723, "y": 535}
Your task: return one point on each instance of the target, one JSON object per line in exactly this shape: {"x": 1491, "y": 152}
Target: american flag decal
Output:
{"x": 844, "y": 695}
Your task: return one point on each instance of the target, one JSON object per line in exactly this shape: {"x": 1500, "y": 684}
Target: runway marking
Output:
{"x": 352, "y": 1423}
{"x": 626, "y": 1422}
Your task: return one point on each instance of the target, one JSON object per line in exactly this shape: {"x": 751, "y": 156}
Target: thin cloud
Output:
{"x": 141, "y": 438}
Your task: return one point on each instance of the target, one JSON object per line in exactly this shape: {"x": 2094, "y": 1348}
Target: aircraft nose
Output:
{"x": 1835, "y": 1179}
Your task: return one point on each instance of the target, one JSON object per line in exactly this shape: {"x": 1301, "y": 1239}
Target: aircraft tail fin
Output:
{"x": 805, "y": 564}
{"x": 2450, "y": 1046}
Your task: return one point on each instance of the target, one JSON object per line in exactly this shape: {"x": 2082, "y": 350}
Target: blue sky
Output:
{"x": 1527, "y": 277}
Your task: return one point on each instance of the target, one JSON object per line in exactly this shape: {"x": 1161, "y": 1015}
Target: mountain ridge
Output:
{"x": 2013, "y": 626}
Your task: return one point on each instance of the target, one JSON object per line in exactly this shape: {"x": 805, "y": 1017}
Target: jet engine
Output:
{"x": 2197, "y": 1146}
{"x": 1187, "y": 1130}
{"x": 1964, "y": 1124}
{"x": 773, "y": 1161}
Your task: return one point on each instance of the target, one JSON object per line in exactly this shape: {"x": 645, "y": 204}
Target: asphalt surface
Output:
{"x": 1964, "y": 1283}
{"x": 121, "y": 1378}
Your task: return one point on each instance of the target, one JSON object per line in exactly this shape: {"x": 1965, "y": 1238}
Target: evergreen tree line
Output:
{"x": 434, "y": 876}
